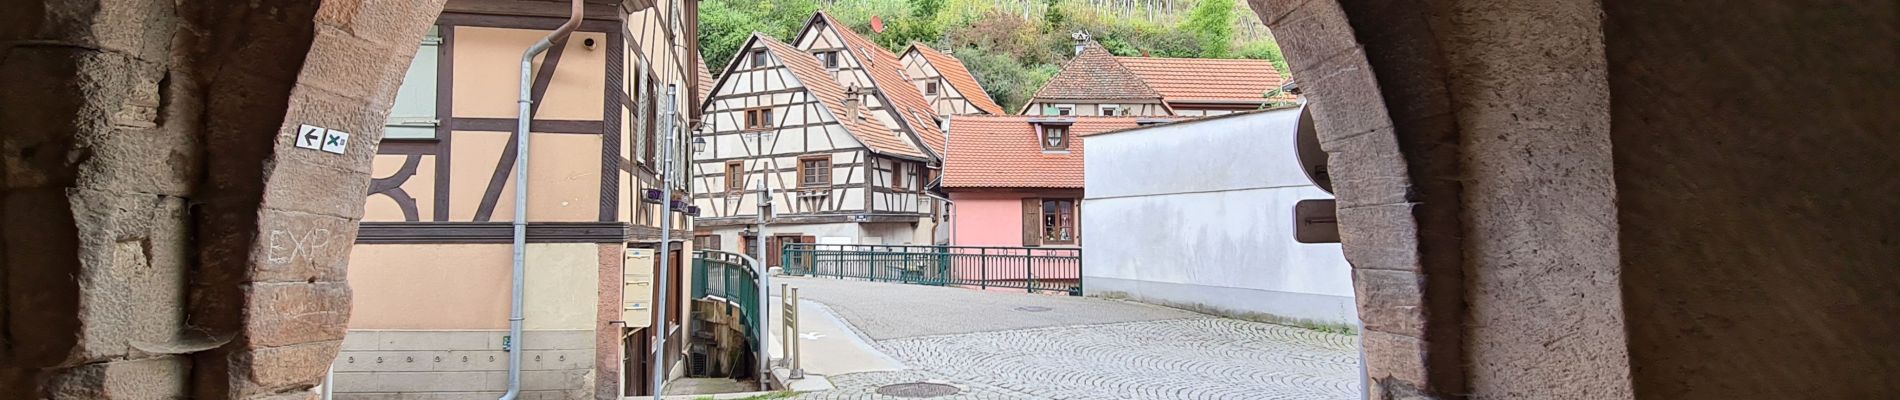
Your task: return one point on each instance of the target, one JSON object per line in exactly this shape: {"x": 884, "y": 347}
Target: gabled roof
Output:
{"x": 1189, "y": 80}
{"x": 959, "y": 77}
{"x": 1095, "y": 74}
{"x": 886, "y": 72}
{"x": 824, "y": 87}
{"x": 1006, "y": 152}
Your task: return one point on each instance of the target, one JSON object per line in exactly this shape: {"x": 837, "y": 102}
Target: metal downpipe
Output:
{"x": 663, "y": 283}
{"x": 523, "y": 114}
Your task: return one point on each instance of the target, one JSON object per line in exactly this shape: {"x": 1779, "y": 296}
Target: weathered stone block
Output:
{"x": 1380, "y": 237}
{"x": 151, "y": 378}
{"x": 299, "y": 247}
{"x": 1311, "y": 33}
{"x": 1391, "y": 301}
{"x": 1345, "y": 95}
{"x": 277, "y": 368}
{"x": 287, "y": 314}
{"x": 1395, "y": 356}
{"x": 1367, "y": 168}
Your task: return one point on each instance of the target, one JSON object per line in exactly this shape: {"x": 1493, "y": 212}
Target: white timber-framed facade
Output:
{"x": 838, "y": 166}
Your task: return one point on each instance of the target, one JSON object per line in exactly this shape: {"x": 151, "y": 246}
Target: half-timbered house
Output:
{"x": 946, "y": 83}
{"x": 842, "y": 162}
{"x": 1096, "y": 82}
{"x": 431, "y": 270}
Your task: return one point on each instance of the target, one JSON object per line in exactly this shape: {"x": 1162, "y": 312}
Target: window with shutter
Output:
{"x": 413, "y": 116}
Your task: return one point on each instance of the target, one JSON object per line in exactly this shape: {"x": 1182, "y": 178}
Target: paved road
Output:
{"x": 1003, "y": 345}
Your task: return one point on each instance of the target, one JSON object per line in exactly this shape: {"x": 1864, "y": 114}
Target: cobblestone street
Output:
{"x": 1010, "y": 345}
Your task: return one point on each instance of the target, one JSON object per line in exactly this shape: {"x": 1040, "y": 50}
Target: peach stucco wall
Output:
{"x": 466, "y": 286}
{"x": 987, "y": 219}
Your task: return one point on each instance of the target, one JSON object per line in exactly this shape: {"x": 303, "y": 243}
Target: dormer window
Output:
{"x": 1055, "y": 137}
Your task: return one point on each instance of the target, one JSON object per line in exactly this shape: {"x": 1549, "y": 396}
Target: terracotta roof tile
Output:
{"x": 1005, "y": 152}
{"x": 959, "y": 77}
{"x": 886, "y": 73}
{"x": 1207, "y": 79}
{"x": 822, "y": 85}
{"x": 705, "y": 80}
{"x": 1095, "y": 74}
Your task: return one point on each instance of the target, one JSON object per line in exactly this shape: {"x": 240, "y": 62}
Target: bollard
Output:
{"x": 798, "y": 372}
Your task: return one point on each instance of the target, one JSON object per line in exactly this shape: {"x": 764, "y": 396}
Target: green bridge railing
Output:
{"x": 1033, "y": 269}
{"x": 733, "y": 277}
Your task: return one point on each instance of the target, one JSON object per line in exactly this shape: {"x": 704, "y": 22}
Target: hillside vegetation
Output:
{"x": 1012, "y": 46}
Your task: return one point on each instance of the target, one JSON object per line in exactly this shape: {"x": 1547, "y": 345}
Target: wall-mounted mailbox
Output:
{"x": 1316, "y": 221}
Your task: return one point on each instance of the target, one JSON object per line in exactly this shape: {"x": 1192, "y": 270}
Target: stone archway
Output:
{"x": 1516, "y": 233}
{"x": 164, "y": 235}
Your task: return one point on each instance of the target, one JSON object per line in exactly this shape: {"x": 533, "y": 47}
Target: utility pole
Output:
{"x": 666, "y": 239}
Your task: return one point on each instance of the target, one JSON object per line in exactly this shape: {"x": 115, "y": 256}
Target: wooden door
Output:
{"x": 634, "y": 362}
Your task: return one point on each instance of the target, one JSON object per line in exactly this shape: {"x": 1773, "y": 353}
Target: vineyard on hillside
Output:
{"x": 1012, "y": 46}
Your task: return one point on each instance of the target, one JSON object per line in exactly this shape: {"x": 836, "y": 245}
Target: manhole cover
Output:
{"x": 917, "y": 390}
{"x": 1033, "y": 308}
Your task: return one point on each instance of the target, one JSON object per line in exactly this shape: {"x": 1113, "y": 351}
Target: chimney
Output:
{"x": 1081, "y": 41}
{"x": 851, "y": 103}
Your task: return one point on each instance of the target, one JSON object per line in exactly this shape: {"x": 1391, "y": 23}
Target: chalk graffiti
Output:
{"x": 309, "y": 244}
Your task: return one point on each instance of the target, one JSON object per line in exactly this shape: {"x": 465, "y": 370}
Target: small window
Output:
{"x": 814, "y": 171}
{"x": 828, "y": 58}
{"x": 897, "y": 176}
{"x": 735, "y": 176}
{"x": 911, "y": 177}
{"x": 1055, "y": 137}
{"x": 930, "y": 88}
{"x": 1111, "y": 110}
{"x": 1065, "y": 110}
{"x": 706, "y": 242}
{"x": 758, "y": 59}
{"x": 758, "y": 118}
{"x": 1058, "y": 221}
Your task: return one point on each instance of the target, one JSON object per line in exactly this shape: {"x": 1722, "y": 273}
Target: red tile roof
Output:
{"x": 822, "y": 85}
{"x": 886, "y": 73}
{"x": 1095, "y": 74}
{"x": 1005, "y": 152}
{"x": 959, "y": 77}
{"x": 1188, "y": 80}
{"x": 705, "y": 81}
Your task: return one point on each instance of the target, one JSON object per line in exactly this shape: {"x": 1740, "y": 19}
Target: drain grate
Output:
{"x": 1033, "y": 308}
{"x": 918, "y": 390}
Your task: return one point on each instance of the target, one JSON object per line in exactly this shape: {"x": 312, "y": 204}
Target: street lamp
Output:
{"x": 699, "y": 143}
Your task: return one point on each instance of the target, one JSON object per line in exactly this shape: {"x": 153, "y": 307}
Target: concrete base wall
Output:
{"x": 390, "y": 364}
{"x": 1243, "y": 303}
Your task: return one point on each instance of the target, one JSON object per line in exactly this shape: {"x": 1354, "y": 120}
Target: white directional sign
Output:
{"x": 335, "y": 141}
{"x": 310, "y": 137}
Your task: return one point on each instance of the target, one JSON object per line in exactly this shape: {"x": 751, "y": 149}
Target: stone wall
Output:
{"x": 1755, "y": 163}
{"x": 1575, "y": 199}
{"x": 162, "y": 235}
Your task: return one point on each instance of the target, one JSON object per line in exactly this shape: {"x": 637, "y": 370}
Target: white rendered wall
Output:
{"x": 1199, "y": 214}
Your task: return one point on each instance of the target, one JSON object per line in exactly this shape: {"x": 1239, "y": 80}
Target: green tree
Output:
{"x": 1211, "y": 22}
